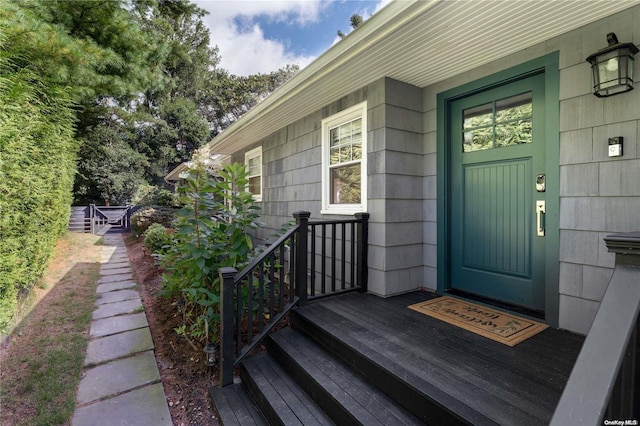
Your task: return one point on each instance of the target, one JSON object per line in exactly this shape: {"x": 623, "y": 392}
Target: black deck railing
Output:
{"x": 604, "y": 386}
{"x": 311, "y": 260}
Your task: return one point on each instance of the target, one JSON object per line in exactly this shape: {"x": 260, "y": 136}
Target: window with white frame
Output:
{"x": 253, "y": 164}
{"x": 344, "y": 161}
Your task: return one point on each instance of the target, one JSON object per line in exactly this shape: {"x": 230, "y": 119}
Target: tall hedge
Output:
{"x": 37, "y": 167}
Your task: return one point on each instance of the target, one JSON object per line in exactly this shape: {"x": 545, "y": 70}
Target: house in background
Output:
{"x": 383, "y": 122}
{"x": 470, "y": 133}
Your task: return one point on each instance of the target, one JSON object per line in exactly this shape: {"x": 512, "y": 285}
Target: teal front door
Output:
{"x": 497, "y": 193}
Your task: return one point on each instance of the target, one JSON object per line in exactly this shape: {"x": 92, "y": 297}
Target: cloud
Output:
{"x": 243, "y": 46}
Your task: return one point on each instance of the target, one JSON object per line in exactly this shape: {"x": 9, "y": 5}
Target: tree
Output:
{"x": 93, "y": 47}
{"x": 355, "y": 21}
{"x": 111, "y": 169}
{"x": 229, "y": 96}
{"x": 189, "y": 61}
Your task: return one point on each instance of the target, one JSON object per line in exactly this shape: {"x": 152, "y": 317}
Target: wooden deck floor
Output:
{"x": 493, "y": 382}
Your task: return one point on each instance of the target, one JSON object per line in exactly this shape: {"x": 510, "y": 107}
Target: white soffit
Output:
{"x": 417, "y": 42}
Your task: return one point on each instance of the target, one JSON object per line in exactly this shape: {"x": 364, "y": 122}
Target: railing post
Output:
{"x": 227, "y": 357}
{"x": 92, "y": 208}
{"x": 302, "y": 219}
{"x": 363, "y": 248}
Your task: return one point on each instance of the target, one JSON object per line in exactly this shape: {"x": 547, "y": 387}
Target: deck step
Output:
{"x": 344, "y": 395}
{"x": 281, "y": 400}
{"x": 430, "y": 404}
{"x": 235, "y": 407}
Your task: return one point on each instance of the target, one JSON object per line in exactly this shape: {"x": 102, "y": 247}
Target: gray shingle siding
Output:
{"x": 599, "y": 195}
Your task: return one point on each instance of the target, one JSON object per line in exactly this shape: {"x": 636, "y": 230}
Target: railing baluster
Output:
{"x": 272, "y": 277}
{"x": 333, "y": 257}
{"x": 342, "y": 253}
{"x": 261, "y": 309}
{"x": 282, "y": 277}
{"x": 323, "y": 269}
{"x": 250, "y": 279}
{"x": 353, "y": 254}
{"x": 313, "y": 260}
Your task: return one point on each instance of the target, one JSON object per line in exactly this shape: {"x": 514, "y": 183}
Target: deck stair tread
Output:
{"x": 454, "y": 370}
{"x": 235, "y": 407}
{"x": 334, "y": 385}
{"x": 277, "y": 394}
{"x": 361, "y": 359}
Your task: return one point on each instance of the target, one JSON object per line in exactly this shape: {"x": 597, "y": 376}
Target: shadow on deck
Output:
{"x": 359, "y": 358}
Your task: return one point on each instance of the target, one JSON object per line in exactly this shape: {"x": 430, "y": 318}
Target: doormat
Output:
{"x": 495, "y": 325}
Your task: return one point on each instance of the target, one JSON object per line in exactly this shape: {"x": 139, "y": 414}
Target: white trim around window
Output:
{"x": 344, "y": 161}
{"x": 253, "y": 164}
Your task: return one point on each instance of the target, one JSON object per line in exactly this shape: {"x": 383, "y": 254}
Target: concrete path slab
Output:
{"x": 117, "y": 296}
{"x": 113, "y": 325}
{"x": 119, "y": 254}
{"x": 118, "y": 346}
{"x": 120, "y": 386}
{"x": 114, "y": 265}
{"x": 118, "y": 308}
{"x": 118, "y": 376}
{"x": 113, "y": 243}
{"x": 141, "y": 407}
{"x": 114, "y": 278}
{"x": 115, "y": 271}
{"x": 115, "y": 259}
{"x": 114, "y": 252}
{"x": 104, "y": 288}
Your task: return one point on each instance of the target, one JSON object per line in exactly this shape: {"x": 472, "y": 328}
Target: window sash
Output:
{"x": 253, "y": 164}
{"x": 344, "y": 161}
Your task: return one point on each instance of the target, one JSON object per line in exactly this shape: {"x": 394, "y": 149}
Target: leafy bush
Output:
{"x": 149, "y": 195}
{"x": 145, "y": 217}
{"x": 37, "y": 167}
{"x": 156, "y": 238}
{"x": 211, "y": 232}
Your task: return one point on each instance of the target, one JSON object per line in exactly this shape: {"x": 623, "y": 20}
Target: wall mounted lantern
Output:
{"x": 612, "y": 68}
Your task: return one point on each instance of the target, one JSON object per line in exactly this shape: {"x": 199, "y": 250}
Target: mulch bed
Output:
{"x": 185, "y": 378}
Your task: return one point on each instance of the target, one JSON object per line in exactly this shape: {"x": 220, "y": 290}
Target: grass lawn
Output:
{"x": 41, "y": 361}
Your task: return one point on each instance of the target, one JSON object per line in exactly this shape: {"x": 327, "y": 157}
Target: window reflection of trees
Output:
{"x": 501, "y": 123}
{"x": 344, "y": 162}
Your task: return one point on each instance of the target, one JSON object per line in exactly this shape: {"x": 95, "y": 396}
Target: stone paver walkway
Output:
{"x": 121, "y": 383}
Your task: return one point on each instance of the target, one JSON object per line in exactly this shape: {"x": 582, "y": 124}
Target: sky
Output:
{"x": 260, "y": 36}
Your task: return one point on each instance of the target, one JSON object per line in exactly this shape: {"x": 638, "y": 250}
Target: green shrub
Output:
{"x": 37, "y": 168}
{"x": 149, "y": 195}
{"x": 156, "y": 238}
{"x": 145, "y": 217}
{"x": 211, "y": 232}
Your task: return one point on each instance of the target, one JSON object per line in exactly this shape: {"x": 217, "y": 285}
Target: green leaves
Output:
{"x": 211, "y": 232}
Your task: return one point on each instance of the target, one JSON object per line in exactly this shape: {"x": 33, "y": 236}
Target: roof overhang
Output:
{"x": 212, "y": 161}
{"x": 417, "y": 42}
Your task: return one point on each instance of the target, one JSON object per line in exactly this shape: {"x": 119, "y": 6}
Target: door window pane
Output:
{"x": 501, "y": 123}
{"x": 478, "y": 128}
